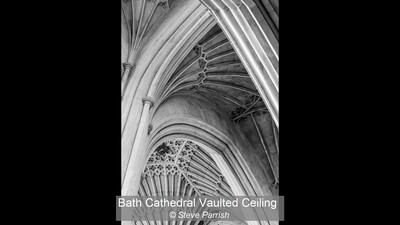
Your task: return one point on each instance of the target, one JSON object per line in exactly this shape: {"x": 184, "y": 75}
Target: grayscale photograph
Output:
{"x": 199, "y": 105}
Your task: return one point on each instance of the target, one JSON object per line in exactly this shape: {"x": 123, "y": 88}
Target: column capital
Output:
{"x": 127, "y": 65}
{"x": 149, "y": 100}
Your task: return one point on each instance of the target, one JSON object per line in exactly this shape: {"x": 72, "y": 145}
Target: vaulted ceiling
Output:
{"x": 213, "y": 71}
{"x": 139, "y": 18}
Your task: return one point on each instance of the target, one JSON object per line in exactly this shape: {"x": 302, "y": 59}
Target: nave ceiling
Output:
{"x": 213, "y": 71}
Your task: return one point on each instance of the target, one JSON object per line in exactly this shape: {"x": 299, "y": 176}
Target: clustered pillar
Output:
{"x": 137, "y": 158}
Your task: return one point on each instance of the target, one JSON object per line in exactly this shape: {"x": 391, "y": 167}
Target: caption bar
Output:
{"x": 204, "y": 208}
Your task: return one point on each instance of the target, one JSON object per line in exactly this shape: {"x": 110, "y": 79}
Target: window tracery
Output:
{"x": 181, "y": 165}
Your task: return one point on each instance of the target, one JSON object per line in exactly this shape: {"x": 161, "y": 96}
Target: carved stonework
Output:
{"x": 170, "y": 155}
{"x": 237, "y": 112}
{"x": 197, "y": 49}
{"x": 163, "y": 3}
{"x": 183, "y": 161}
{"x": 202, "y": 63}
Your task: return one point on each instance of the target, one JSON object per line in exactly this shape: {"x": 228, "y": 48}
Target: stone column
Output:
{"x": 128, "y": 67}
{"x": 137, "y": 159}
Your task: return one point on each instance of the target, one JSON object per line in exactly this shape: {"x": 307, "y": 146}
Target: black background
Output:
{"x": 61, "y": 100}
